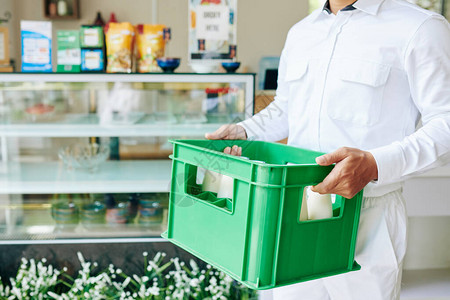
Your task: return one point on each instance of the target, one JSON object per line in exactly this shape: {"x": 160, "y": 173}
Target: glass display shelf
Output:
{"x": 86, "y": 125}
{"x": 66, "y": 135}
{"x": 83, "y": 216}
{"x": 129, "y": 176}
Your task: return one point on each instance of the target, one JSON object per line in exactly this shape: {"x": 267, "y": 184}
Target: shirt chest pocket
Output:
{"x": 297, "y": 80}
{"x": 355, "y": 91}
{"x": 296, "y": 71}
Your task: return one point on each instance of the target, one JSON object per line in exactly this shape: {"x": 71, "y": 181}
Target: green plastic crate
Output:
{"x": 257, "y": 238}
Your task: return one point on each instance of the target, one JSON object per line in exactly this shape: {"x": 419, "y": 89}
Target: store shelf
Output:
{"x": 426, "y": 285}
{"x": 247, "y": 78}
{"x": 112, "y": 177}
{"x": 87, "y": 126}
{"x": 79, "y": 231}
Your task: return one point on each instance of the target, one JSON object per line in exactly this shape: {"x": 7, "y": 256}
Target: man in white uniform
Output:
{"x": 354, "y": 80}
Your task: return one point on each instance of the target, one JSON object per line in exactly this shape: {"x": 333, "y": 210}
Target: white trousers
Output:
{"x": 380, "y": 249}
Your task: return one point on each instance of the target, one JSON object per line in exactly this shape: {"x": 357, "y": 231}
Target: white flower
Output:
{"x": 157, "y": 257}
{"x": 138, "y": 280}
{"x": 126, "y": 282}
{"x": 194, "y": 282}
{"x": 152, "y": 265}
{"x": 145, "y": 253}
{"x": 80, "y": 257}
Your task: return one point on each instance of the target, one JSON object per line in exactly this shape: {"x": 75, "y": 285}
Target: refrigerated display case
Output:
{"x": 84, "y": 157}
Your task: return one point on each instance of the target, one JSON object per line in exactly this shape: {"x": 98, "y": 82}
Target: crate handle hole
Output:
{"x": 314, "y": 206}
{"x": 212, "y": 193}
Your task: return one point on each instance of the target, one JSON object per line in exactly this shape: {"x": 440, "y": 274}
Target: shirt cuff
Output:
{"x": 251, "y": 129}
{"x": 390, "y": 163}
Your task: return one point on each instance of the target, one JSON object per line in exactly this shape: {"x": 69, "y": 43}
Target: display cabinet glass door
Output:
{"x": 87, "y": 156}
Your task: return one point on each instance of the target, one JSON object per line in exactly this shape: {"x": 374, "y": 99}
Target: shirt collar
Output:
{"x": 326, "y": 7}
{"x": 368, "y": 6}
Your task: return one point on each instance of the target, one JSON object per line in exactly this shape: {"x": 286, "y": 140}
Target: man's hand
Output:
{"x": 229, "y": 132}
{"x": 353, "y": 171}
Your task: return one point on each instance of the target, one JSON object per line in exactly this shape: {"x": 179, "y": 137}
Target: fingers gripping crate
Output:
{"x": 257, "y": 236}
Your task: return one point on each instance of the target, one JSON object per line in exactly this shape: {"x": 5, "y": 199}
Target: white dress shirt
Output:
{"x": 364, "y": 78}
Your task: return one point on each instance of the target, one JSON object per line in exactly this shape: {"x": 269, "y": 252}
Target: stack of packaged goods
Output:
{"x": 114, "y": 47}
{"x": 92, "y": 48}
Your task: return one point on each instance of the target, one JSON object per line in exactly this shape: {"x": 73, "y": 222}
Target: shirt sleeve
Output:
{"x": 271, "y": 123}
{"x": 427, "y": 65}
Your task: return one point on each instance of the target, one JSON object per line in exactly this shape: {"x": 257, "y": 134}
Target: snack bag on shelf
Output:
{"x": 119, "y": 47}
{"x": 150, "y": 46}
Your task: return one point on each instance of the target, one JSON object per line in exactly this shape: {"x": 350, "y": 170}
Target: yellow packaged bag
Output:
{"x": 150, "y": 46}
{"x": 119, "y": 47}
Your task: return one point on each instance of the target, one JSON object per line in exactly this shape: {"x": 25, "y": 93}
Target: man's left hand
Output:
{"x": 353, "y": 171}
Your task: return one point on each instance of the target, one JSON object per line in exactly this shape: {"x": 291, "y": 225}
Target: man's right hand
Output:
{"x": 229, "y": 132}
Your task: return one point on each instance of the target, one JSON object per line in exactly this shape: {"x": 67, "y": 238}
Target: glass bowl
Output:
{"x": 168, "y": 64}
{"x": 205, "y": 66}
{"x": 231, "y": 66}
{"x": 84, "y": 156}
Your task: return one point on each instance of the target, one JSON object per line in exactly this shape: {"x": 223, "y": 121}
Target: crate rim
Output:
{"x": 238, "y": 158}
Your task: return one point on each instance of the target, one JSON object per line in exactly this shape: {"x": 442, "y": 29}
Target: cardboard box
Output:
{"x": 69, "y": 52}
{"x": 36, "y": 46}
{"x": 91, "y": 36}
{"x": 92, "y": 60}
